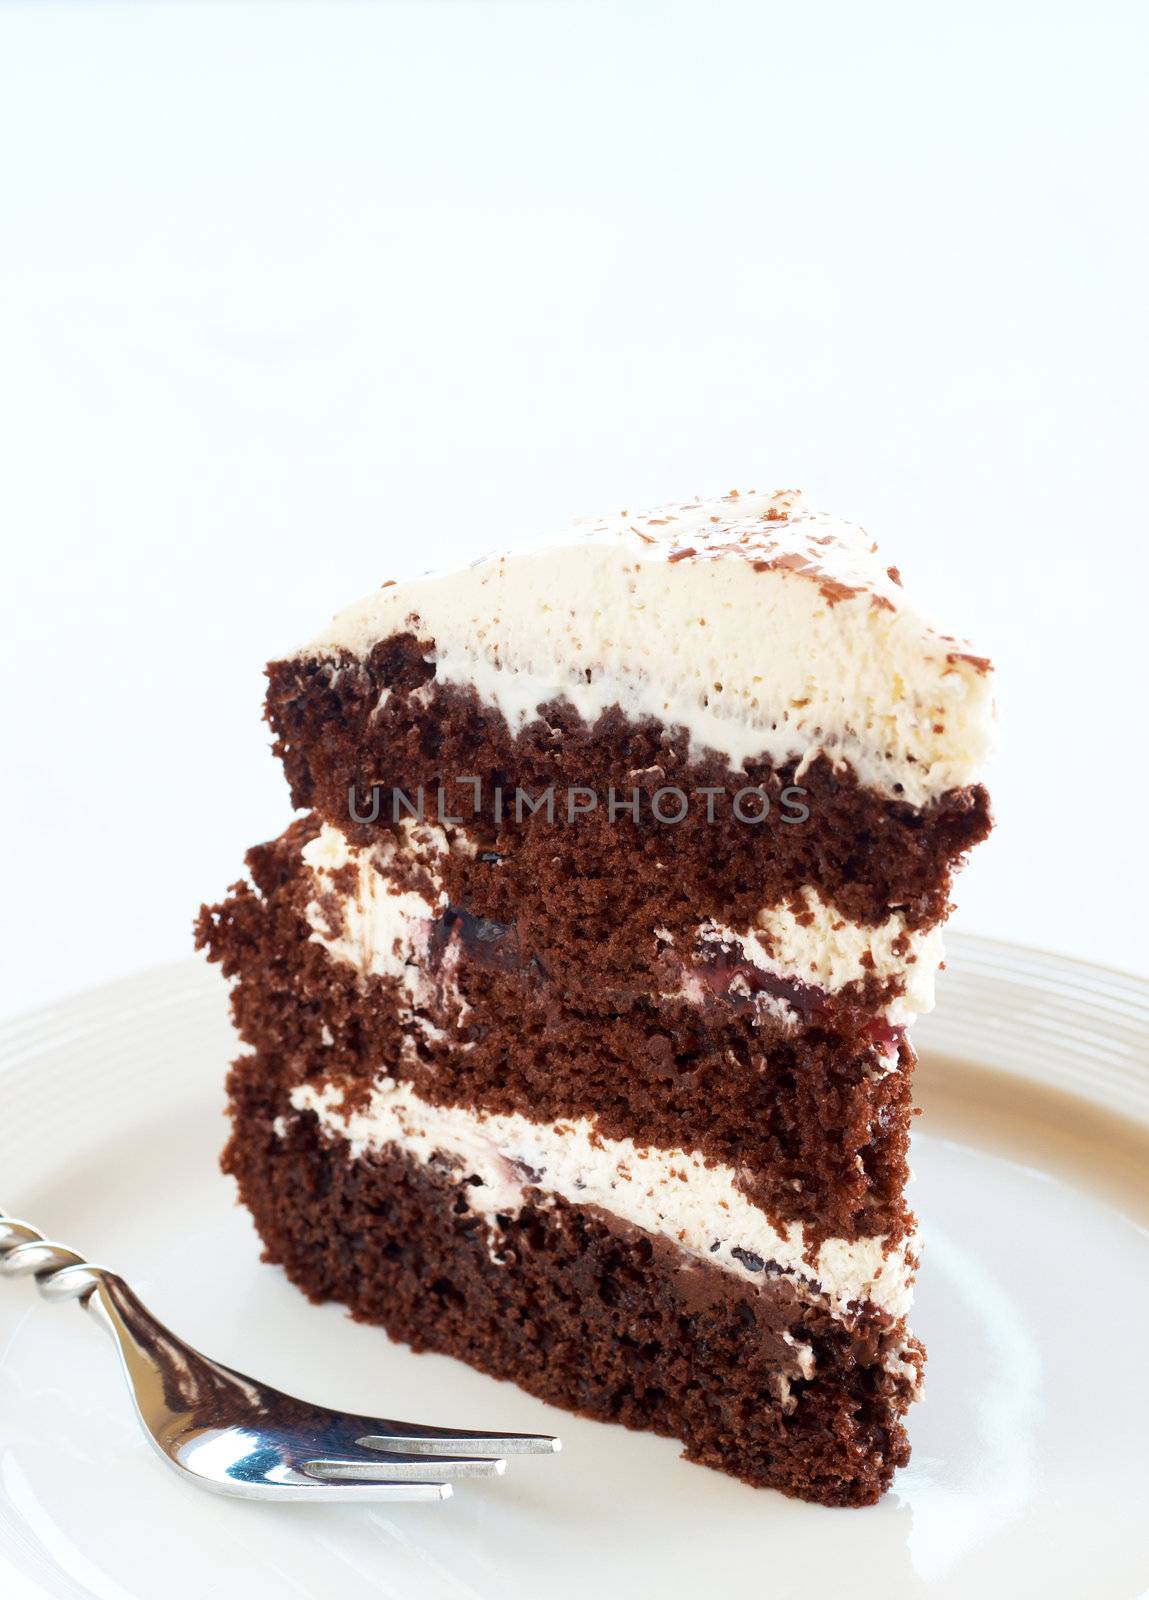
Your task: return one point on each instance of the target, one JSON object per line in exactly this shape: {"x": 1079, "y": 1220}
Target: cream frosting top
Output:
{"x": 762, "y": 628}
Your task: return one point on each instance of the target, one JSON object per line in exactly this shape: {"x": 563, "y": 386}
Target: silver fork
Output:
{"x": 234, "y": 1435}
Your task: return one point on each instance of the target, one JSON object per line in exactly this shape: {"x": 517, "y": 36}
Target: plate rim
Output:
{"x": 155, "y": 995}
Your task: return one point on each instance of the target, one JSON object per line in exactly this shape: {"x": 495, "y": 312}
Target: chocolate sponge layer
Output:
{"x": 587, "y": 1313}
{"x": 817, "y": 1132}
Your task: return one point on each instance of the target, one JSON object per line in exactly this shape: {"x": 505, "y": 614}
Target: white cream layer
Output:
{"x": 668, "y": 1192}
{"x": 764, "y": 629}
{"x": 815, "y": 944}
{"x": 377, "y": 929}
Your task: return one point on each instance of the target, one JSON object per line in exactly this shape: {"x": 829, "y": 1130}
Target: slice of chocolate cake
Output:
{"x": 577, "y": 999}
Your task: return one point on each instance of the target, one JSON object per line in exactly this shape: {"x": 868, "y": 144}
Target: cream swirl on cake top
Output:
{"x": 674, "y": 614}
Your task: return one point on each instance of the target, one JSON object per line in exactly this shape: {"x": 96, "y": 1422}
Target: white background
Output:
{"x": 295, "y": 298}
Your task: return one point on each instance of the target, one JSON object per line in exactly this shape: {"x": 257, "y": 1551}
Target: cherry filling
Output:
{"x": 489, "y": 944}
{"x": 885, "y": 1036}
{"x": 725, "y": 971}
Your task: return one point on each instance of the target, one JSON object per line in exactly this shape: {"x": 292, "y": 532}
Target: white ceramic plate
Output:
{"x": 1030, "y": 1449}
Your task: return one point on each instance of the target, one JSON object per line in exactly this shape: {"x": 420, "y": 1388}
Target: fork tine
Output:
{"x": 386, "y": 1489}
{"x": 399, "y": 1469}
{"x": 441, "y": 1442}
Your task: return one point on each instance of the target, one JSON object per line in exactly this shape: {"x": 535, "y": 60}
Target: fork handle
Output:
{"x": 60, "y": 1273}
